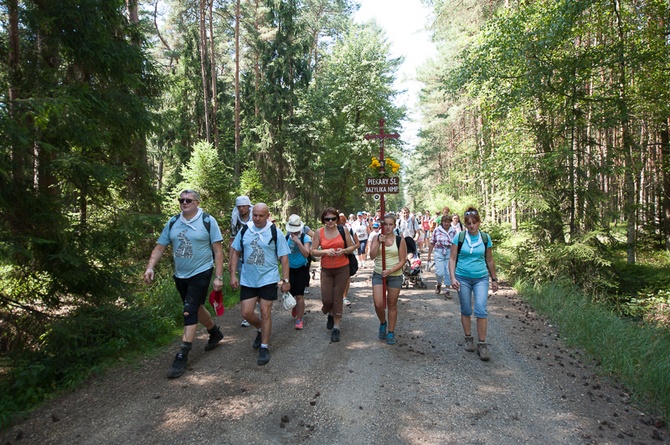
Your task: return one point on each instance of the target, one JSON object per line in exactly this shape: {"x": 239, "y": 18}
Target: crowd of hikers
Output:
{"x": 267, "y": 260}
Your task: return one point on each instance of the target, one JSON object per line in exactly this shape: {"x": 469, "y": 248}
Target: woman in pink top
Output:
{"x": 329, "y": 245}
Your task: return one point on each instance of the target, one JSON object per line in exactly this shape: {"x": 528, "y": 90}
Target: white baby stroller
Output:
{"x": 412, "y": 270}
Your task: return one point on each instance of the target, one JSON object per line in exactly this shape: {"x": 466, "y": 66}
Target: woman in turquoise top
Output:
{"x": 470, "y": 263}
{"x": 396, "y": 255}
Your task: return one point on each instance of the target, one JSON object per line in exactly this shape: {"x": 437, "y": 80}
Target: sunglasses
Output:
{"x": 185, "y": 200}
{"x": 330, "y": 218}
{"x": 471, "y": 212}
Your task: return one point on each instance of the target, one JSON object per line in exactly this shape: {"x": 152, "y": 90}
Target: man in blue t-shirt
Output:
{"x": 194, "y": 235}
{"x": 260, "y": 273}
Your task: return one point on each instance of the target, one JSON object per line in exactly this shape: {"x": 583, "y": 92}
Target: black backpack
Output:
{"x": 353, "y": 261}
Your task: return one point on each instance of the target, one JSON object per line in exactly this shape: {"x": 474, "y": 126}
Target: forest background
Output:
{"x": 550, "y": 116}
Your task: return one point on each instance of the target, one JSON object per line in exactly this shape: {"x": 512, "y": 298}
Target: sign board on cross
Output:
{"x": 382, "y": 185}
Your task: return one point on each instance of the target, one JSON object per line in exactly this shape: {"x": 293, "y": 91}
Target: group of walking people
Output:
{"x": 257, "y": 248}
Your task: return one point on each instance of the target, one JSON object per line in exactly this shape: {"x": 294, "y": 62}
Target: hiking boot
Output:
{"x": 469, "y": 343}
{"x": 214, "y": 338}
{"x": 331, "y": 322}
{"x": 178, "y": 366}
{"x": 335, "y": 335}
{"x": 346, "y": 302}
{"x": 438, "y": 289}
{"x": 263, "y": 356}
{"x": 382, "y": 331}
{"x": 245, "y": 324}
{"x": 483, "y": 351}
{"x": 390, "y": 339}
{"x": 257, "y": 341}
{"x": 298, "y": 324}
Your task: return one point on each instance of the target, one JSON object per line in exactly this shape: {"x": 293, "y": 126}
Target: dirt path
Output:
{"x": 424, "y": 390}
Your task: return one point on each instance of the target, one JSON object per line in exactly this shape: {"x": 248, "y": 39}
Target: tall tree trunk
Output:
{"x": 627, "y": 140}
{"x": 238, "y": 16}
{"x": 665, "y": 159}
{"x": 18, "y": 154}
{"x": 203, "y": 69}
{"x": 215, "y": 105}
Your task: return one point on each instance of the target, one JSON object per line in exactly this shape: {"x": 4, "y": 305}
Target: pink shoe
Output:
{"x": 298, "y": 324}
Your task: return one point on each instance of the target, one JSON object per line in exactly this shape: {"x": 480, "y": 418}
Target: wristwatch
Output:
{"x": 219, "y": 278}
{"x": 494, "y": 279}
{"x": 285, "y": 280}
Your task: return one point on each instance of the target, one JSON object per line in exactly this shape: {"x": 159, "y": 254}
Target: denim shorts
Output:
{"x": 394, "y": 281}
{"x": 479, "y": 287}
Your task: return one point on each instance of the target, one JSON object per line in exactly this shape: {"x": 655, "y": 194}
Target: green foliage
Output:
{"x": 633, "y": 353}
{"x": 85, "y": 341}
{"x": 207, "y": 174}
{"x": 583, "y": 262}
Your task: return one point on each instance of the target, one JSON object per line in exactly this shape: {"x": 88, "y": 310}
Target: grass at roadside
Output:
{"x": 91, "y": 340}
{"x": 636, "y": 354}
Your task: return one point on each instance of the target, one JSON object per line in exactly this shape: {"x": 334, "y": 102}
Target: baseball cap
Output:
{"x": 360, "y": 214}
{"x": 375, "y": 225}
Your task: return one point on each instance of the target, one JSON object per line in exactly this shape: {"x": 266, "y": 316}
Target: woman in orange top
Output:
{"x": 329, "y": 245}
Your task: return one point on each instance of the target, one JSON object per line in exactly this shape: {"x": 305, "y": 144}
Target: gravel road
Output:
{"x": 424, "y": 390}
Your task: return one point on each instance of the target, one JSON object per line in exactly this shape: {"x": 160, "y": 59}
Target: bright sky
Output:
{"x": 404, "y": 22}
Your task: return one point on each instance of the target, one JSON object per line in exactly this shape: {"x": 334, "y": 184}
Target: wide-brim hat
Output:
{"x": 294, "y": 224}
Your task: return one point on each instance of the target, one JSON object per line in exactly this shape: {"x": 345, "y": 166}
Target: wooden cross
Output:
{"x": 382, "y": 169}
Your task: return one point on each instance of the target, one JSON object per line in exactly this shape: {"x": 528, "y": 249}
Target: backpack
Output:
{"x": 461, "y": 239}
{"x": 273, "y": 229}
{"x": 353, "y": 261}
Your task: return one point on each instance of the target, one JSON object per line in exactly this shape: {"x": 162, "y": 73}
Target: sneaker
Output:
{"x": 469, "y": 343}
{"x": 483, "y": 351}
{"x": 382, "y": 331}
{"x": 306, "y": 291}
{"x": 298, "y": 324}
{"x": 257, "y": 341}
{"x": 263, "y": 356}
{"x": 447, "y": 294}
{"x": 331, "y": 322}
{"x": 335, "y": 335}
{"x": 178, "y": 366}
{"x": 245, "y": 324}
{"x": 390, "y": 339}
{"x": 438, "y": 289}
{"x": 214, "y": 339}
{"x": 294, "y": 311}
{"x": 346, "y": 302}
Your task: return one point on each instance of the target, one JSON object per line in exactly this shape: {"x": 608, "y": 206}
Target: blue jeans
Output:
{"x": 480, "y": 288}
{"x": 442, "y": 266}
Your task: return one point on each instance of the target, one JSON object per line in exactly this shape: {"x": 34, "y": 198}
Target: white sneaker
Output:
{"x": 346, "y": 302}
{"x": 245, "y": 324}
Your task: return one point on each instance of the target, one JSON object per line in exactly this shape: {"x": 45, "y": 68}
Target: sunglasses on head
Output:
{"x": 471, "y": 212}
{"x": 330, "y": 218}
{"x": 185, "y": 200}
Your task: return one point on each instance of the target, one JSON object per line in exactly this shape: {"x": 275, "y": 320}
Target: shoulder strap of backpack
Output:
{"x": 173, "y": 220}
{"x": 398, "y": 238}
{"x": 207, "y": 221}
{"x": 273, "y": 230}
{"x": 242, "y": 232}
{"x": 344, "y": 237}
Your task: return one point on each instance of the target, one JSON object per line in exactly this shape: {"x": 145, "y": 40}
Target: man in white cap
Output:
{"x": 240, "y": 217}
